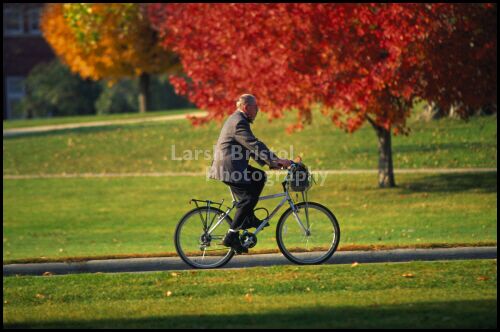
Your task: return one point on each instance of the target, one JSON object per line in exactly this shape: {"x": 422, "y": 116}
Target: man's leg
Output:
{"x": 232, "y": 238}
{"x": 248, "y": 196}
{"x": 246, "y": 203}
{"x": 258, "y": 182}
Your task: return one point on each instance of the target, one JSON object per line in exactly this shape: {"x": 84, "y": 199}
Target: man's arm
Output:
{"x": 259, "y": 151}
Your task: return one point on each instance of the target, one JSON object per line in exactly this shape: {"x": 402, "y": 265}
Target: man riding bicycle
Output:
{"x": 234, "y": 148}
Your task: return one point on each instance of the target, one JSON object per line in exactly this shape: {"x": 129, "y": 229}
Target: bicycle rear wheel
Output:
{"x": 195, "y": 245}
{"x": 314, "y": 239}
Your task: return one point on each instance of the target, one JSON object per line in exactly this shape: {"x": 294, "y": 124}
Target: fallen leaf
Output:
{"x": 248, "y": 297}
{"x": 482, "y": 278}
{"x": 47, "y": 274}
{"x": 408, "y": 275}
{"x": 40, "y": 296}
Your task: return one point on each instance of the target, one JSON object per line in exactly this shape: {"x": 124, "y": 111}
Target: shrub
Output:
{"x": 121, "y": 97}
{"x": 52, "y": 90}
{"x": 163, "y": 96}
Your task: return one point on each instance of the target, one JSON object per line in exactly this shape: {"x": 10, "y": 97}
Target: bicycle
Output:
{"x": 307, "y": 232}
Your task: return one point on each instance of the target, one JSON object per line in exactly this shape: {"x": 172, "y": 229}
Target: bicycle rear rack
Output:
{"x": 206, "y": 222}
{"x": 206, "y": 202}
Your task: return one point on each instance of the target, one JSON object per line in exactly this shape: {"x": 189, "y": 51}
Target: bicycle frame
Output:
{"x": 286, "y": 197}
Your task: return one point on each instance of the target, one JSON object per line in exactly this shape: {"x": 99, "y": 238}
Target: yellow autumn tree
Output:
{"x": 107, "y": 41}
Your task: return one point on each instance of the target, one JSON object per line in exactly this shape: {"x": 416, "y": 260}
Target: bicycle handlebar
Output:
{"x": 292, "y": 164}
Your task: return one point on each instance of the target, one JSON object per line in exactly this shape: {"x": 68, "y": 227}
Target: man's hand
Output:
{"x": 281, "y": 163}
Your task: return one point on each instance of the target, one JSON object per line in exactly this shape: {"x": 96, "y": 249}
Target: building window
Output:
{"x": 34, "y": 21}
{"x": 13, "y": 23}
{"x": 15, "y": 93}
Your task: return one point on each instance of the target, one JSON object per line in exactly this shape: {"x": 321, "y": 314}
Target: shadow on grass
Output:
{"x": 426, "y": 147}
{"x": 456, "y": 182}
{"x": 451, "y": 314}
{"x": 437, "y": 147}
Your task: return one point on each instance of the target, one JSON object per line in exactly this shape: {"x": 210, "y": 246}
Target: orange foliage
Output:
{"x": 119, "y": 52}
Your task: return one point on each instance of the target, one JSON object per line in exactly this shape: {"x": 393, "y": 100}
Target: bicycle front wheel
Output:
{"x": 308, "y": 236}
{"x": 198, "y": 238}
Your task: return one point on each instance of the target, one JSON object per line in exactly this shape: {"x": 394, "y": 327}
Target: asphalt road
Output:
{"x": 245, "y": 261}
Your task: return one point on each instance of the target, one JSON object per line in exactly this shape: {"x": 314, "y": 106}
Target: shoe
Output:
{"x": 229, "y": 238}
{"x": 232, "y": 239}
{"x": 254, "y": 223}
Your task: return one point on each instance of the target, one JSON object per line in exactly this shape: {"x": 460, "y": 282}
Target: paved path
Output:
{"x": 41, "y": 129}
{"x": 244, "y": 261}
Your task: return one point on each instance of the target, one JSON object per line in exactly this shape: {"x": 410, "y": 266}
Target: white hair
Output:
{"x": 245, "y": 100}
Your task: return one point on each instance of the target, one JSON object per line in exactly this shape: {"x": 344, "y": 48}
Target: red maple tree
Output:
{"x": 358, "y": 62}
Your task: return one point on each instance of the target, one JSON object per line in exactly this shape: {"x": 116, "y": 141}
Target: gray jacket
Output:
{"x": 235, "y": 146}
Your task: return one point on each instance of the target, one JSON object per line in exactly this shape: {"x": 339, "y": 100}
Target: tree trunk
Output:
{"x": 433, "y": 112}
{"x": 29, "y": 113}
{"x": 385, "y": 166}
{"x": 144, "y": 101}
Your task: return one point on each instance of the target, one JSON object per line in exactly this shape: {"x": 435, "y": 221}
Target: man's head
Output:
{"x": 248, "y": 105}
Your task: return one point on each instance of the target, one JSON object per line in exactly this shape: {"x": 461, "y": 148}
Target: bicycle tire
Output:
{"x": 286, "y": 252}
{"x": 178, "y": 246}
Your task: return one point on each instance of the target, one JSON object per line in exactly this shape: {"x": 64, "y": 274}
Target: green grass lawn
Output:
{"x": 11, "y": 124}
{"x": 107, "y": 216}
{"x": 57, "y": 218}
{"x": 453, "y": 294}
{"x": 154, "y": 147}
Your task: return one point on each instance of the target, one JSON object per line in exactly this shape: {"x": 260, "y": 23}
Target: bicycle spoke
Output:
{"x": 203, "y": 222}
{"x": 212, "y": 250}
{"x": 212, "y": 220}
{"x": 207, "y": 216}
{"x": 296, "y": 215}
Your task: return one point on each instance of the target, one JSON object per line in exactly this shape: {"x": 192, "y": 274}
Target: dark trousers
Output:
{"x": 247, "y": 195}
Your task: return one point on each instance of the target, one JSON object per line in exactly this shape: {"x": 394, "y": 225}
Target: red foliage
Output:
{"x": 461, "y": 57}
{"x": 355, "y": 60}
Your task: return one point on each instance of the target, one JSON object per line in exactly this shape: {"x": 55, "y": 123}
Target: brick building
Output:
{"x": 23, "y": 48}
